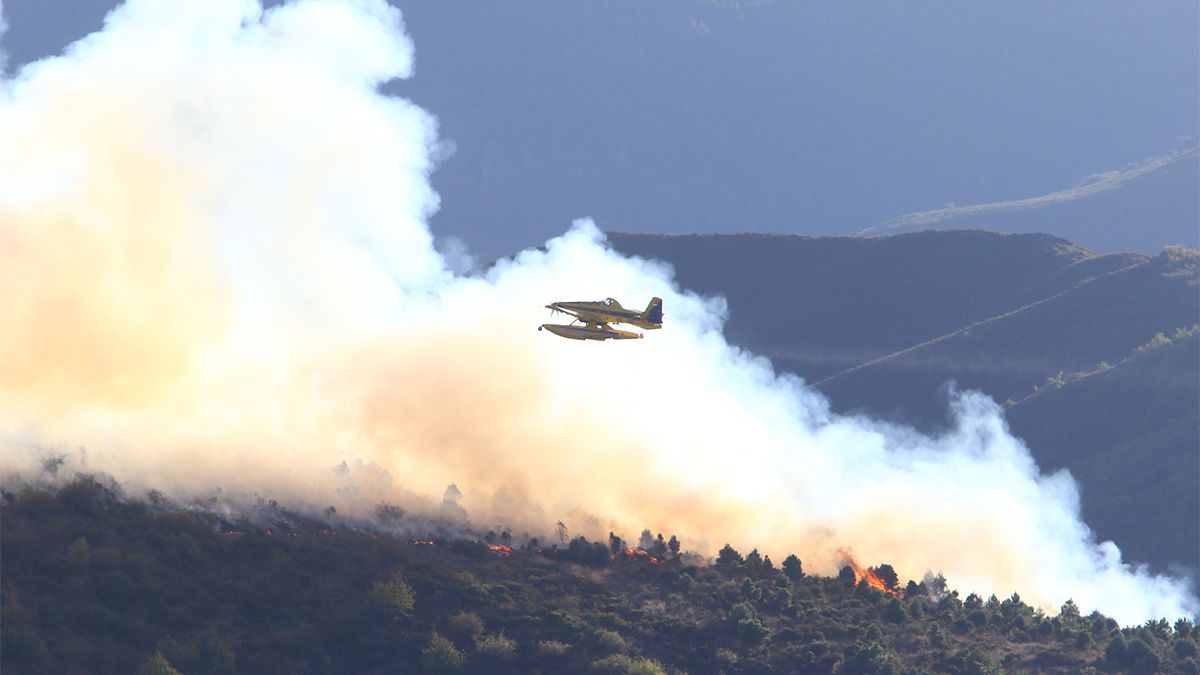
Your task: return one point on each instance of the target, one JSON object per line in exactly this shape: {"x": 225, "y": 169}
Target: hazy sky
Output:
{"x": 803, "y": 117}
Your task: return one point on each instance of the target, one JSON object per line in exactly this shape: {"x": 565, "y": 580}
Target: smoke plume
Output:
{"x": 215, "y": 270}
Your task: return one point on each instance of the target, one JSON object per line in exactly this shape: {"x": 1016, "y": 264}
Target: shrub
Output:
{"x": 752, "y": 630}
{"x": 552, "y": 648}
{"x": 496, "y": 646}
{"x": 157, "y": 665}
{"x": 868, "y": 657}
{"x": 207, "y": 652}
{"x": 441, "y": 656}
{"x": 620, "y": 663}
{"x": 465, "y": 626}
{"x": 611, "y": 640}
{"x": 394, "y": 596}
{"x": 937, "y": 636}
{"x": 79, "y": 553}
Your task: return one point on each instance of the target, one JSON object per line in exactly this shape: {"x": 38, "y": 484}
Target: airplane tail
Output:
{"x": 653, "y": 313}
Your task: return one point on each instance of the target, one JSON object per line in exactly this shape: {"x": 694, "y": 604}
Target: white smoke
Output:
{"x": 216, "y": 271}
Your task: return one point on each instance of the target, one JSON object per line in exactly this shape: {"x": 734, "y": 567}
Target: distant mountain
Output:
{"x": 1067, "y": 338}
{"x": 1130, "y": 211}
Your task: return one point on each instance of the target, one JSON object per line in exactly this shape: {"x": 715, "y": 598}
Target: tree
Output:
{"x": 615, "y": 546}
{"x": 887, "y": 574}
{"x": 673, "y": 544}
{"x": 792, "y": 568}
{"x": 749, "y": 590}
{"x": 561, "y": 530}
{"x": 935, "y": 585}
{"x": 660, "y": 546}
{"x": 747, "y": 623}
{"x": 1069, "y": 611}
{"x": 894, "y": 612}
{"x": 728, "y": 557}
{"x": 846, "y": 576}
{"x": 1185, "y": 648}
{"x": 754, "y": 561}
{"x": 389, "y": 514}
{"x": 587, "y": 552}
{"x": 646, "y": 541}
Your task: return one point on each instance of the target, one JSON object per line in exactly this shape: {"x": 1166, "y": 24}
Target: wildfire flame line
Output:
{"x": 867, "y": 574}
{"x": 641, "y": 553}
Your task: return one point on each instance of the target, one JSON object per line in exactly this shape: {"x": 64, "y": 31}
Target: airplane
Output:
{"x": 595, "y": 317}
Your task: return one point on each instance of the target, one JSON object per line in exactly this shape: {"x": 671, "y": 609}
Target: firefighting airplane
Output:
{"x": 593, "y": 319}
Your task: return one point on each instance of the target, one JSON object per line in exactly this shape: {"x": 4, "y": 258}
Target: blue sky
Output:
{"x": 802, "y": 117}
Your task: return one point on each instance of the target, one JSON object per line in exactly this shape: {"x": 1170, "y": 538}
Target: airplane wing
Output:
{"x": 584, "y": 316}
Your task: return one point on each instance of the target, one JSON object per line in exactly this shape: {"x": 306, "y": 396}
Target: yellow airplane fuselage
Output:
{"x": 593, "y": 319}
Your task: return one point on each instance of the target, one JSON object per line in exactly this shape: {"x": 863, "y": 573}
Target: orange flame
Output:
{"x": 422, "y": 542}
{"x": 500, "y": 549}
{"x": 641, "y": 553}
{"x": 867, "y": 574}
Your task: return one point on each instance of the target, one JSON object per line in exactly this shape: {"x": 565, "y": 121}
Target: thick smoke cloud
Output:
{"x": 216, "y": 272}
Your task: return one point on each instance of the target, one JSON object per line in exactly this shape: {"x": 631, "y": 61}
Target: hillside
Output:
{"x": 1142, "y": 214}
{"x": 880, "y": 325}
{"x": 97, "y": 582}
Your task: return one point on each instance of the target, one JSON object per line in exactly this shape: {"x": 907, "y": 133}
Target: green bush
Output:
{"x": 611, "y": 641}
{"x": 496, "y": 646}
{"x": 465, "y": 625}
{"x": 394, "y": 596}
{"x": 441, "y": 656}
{"x": 157, "y": 665}
{"x": 624, "y": 665}
{"x": 552, "y": 648}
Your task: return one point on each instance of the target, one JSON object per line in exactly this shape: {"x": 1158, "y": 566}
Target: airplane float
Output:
{"x": 592, "y": 319}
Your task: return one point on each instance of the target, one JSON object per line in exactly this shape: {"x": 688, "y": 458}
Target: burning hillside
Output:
{"x": 97, "y": 583}
{"x": 237, "y": 289}
{"x": 883, "y": 580}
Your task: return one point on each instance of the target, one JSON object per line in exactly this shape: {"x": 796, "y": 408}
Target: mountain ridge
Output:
{"x": 880, "y": 325}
